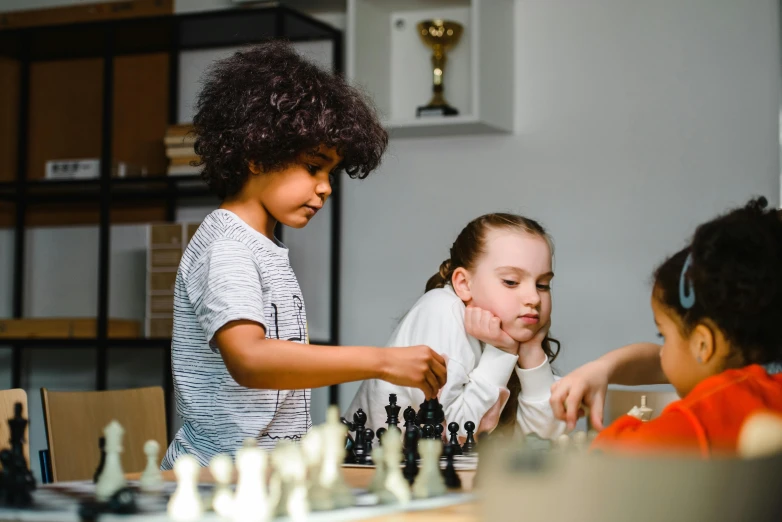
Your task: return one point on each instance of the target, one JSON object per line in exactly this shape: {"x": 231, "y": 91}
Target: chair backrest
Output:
{"x": 8, "y": 398}
{"x": 619, "y": 402}
{"x": 75, "y": 421}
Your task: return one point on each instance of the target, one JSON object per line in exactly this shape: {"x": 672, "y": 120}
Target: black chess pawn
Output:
{"x": 392, "y": 411}
{"x": 411, "y": 455}
{"x": 369, "y": 436}
{"x": 452, "y": 480}
{"x": 438, "y": 431}
{"x": 429, "y": 431}
{"x": 430, "y": 412}
{"x": 359, "y": 446}
{"x": 102, "y": 462}
{"x": 380, "y": 433}
{"x": 411, "y": 441}
{"x": 453, "y": 429}
{"x": 470, "y": 446}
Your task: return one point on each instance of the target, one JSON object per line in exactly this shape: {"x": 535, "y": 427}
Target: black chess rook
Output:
{"x": 392, "y": 411}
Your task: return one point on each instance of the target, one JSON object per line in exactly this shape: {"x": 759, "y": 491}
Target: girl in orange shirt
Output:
{"x": 717, "y": 304}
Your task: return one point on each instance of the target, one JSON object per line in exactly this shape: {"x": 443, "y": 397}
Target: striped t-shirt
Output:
{"x": 231, "y": 272}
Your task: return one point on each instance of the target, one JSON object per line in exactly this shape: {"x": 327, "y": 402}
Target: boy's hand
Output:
{"x": 485, "y": 326}
{"x": 417, "y": 367}
{"x": 531, "y": 354}
{"x": 584, "y": 387}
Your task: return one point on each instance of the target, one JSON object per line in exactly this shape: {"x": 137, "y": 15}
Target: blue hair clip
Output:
{"x": 686, "y": 291}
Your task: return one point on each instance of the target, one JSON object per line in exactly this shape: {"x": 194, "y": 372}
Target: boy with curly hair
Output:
{"x": 272, "y": 129}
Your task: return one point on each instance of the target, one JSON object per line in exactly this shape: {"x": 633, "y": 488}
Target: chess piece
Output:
{"x": 221, "y": 466}
{"x": 392, "y": 411}
{"x": 253, "y": 502}
{"x": 430, "y": 412}
{"x": 411, "y": 455}
{"x": 289, "y": 462}
{"x": 16, "y": 480}
{"x": 102, "y": 462}
{"x": 429, "y": 482}
{"x": 451, "y": 478}
{"x": 470, "y": 446}
{"x": 453, "y": 429}
{"x": 359, "y": 447}
{"x": 331, "y": 491}
{"x": 646, "y": 412}
{"x": 380, "y": 433}
{"x": 580, "y": 441}
{"x": 185, "y": 504}
{"x": 369, "y": 436}
{"x": 379, "y": 479}
{"x": 112, "y": 478}
{"x": 429, "y": 432}
{"x": 438, "y": 431}
{"x": 760, "y": 435}
{"x": 312, "y": 446}
{"x": 562, "y": 442}
{"x": 409, "y": 416}
{"x": 152, "y": 479}
{"x": 396, "y": 487}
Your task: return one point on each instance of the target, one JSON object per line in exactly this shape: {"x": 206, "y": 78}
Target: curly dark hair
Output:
{"x": 736, "y": 275}
{"x": 268, "y": 105}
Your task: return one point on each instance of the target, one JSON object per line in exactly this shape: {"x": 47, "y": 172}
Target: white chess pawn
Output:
{"x": 760, "y": 435}
{"x": 645, "y": 411}
{"x": 563, "y": 442}
{"x": 112, "y": 478}
{"x": 379, "y": 479}
{"x": 222, "y": 469}
{"x": 312, "y": 445}
{"x": 397, "y": 488}
{"x": 332, "y": 491}
{"x": 253, "y": 502}
{"x": 152, "y": 479}
{"x": 185, "y": 504}
{"x": 289, "y": 462}
{"x": 429, "y": 481}
{"x": 580, "y": 440}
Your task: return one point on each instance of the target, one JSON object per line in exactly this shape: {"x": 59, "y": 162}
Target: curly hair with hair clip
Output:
{"x": 465, "y": 252}
{"x": 267, "y": 105}
{"x": 735, "y": 276}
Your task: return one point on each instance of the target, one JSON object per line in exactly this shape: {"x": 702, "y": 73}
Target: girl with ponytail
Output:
{"x": 487, "y": 311}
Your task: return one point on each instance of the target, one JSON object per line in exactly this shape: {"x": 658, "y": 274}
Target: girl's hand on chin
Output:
{"x": 485, "y": 326}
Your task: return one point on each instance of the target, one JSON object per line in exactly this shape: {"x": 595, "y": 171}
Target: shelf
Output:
{"x": 386, "y": 58}
{"x": 122, "y": 189}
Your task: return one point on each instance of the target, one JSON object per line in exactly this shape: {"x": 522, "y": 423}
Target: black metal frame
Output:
{"x": 114, "y": 38}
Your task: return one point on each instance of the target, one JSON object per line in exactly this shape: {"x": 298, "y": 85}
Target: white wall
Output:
{"x": 635, "y": 121}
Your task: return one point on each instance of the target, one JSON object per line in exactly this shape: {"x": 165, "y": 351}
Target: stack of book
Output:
{"x": 179, "y": 143}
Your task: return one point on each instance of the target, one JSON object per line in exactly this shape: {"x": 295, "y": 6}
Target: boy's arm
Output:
{"x": 257, "y": 362}
{"x": 634, "y": 364}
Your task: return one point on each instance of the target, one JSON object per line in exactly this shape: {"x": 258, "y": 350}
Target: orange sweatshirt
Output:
{"x": 706, "y": 422}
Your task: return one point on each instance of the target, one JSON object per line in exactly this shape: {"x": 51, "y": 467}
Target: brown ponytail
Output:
{"x": 441, "y": 278}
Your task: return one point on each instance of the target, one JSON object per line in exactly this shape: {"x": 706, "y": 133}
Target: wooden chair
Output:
{"x": 75, "y": 420}
{"x": 619, "y": 402}
{"x": 8, "y": 398}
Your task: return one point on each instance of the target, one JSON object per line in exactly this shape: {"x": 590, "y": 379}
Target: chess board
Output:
{"x": 60, "y": 503}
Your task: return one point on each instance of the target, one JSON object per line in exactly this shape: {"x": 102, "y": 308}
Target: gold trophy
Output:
{"x": 440, "y": 35}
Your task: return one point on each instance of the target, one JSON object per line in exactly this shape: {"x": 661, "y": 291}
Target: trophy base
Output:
{"x": 436, "y": 111}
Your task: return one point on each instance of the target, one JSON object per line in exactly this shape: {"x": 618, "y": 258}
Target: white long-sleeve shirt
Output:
{"x": 478, "y": 374}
